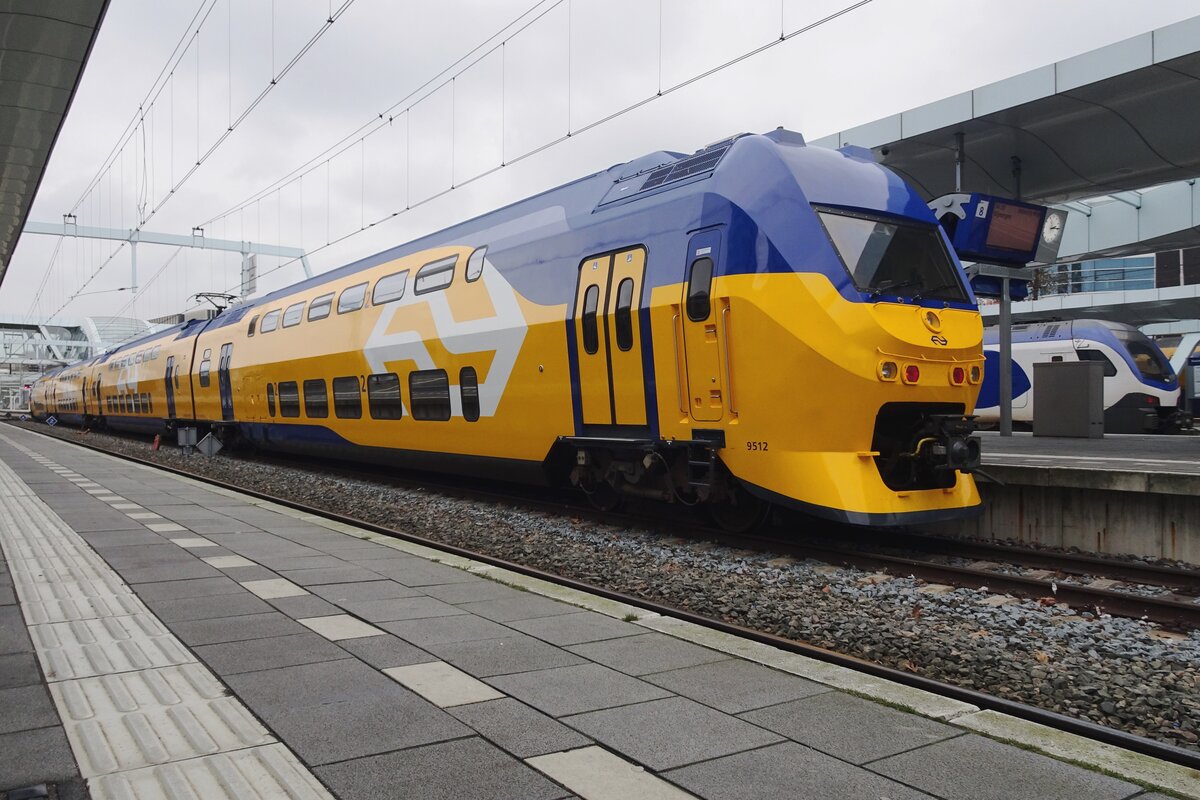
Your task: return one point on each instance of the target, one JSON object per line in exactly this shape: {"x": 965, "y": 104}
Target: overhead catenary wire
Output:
{"x": 662, "y": 92}
{"x": 202, "y": 158}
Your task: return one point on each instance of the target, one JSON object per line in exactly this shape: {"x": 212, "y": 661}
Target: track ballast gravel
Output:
{"x": 1123, "y": 673}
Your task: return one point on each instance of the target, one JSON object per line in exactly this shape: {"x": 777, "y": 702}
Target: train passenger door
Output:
{"x": 608, "y": 339}
{"x": 701, "y": 330}
{"x": 83, "y": 394}
{"x": 223, "y": 381}
{"x": 168, "y": 382}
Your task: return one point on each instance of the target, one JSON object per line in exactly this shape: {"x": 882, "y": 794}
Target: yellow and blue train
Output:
{"x": 758, "y": 323}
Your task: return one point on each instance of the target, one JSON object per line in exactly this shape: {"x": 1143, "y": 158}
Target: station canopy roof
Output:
{"x": 1123, "y": 117}
{"x": 44, "y": 45}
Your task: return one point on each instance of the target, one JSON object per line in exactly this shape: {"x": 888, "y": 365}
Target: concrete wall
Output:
{"x": 1097, "y": 511}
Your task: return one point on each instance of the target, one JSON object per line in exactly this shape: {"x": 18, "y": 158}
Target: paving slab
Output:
{"x": 789, "y": 770}
{"x": 572, "y": 690}
{"x": 515, "y": 653}
{"x": 850, "y": 728}
{"x": 304, "y": 606}
{"x": 471, "y": 591}
{"x": 438, "y": 630}
{"x": 600, "y": 775}
{"x": 650, "y": 652}
{"x": 235, "y": 629}
{"x": 672, "y": 732}
{"x": 274, "y": 588}
{"x": 211, "y": 607}
{"x": 528, "y": 606}
{"x": 193, "y": 587}
{"x": 442, "y": 684}
{"x": 36, "y": 756}
{"x": 400, "y": 608}
{"x": 734, "y": 686}
{"x": 470, "y": 769}
{"x": 420, "y": 572}
{"x": 342, "y": 574}
{"x": 376, "y": 589}
{"x": 340, "y": 626}
{"x": 971, "y": 767}
{"x": 19, "y": 669}
{"x": 24, "y": 708}
{"x": 576, "y": 628}
{"x": 230, "y": 658}
{"x": 385, "y": 651}
{"x": 518, "y": 728}
{"x": 168, "y": 572}
{"x": 13, "y": 637}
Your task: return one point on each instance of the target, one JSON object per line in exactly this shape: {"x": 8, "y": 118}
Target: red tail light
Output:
{"x": 958, "y": 375}
{"x": 912, "y": 373}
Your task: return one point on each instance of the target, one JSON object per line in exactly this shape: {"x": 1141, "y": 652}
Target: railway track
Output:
{"x": 1146, "y": 746}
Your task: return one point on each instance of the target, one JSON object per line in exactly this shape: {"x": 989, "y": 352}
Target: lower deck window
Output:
{"x": 383, "y": 396}
{"x": 347, "y": 398}
{"x": 429, "y": 393}
{"x": 271, "y": 399}
{"x": 316, "y": 399}
{"x": 289, "y": 399}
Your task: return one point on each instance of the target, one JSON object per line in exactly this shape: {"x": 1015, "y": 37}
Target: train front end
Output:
{"x": 869, "y": 355}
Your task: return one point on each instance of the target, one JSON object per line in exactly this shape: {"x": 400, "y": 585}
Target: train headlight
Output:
{"x": 975, "y": 373}
{"x": 912, "y": 373}
{"x": 931, "y": 320}
{"x": 958, "y": 376}
{"x": 888, "y": 371}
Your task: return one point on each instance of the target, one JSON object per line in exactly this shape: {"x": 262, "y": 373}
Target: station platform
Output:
{"x": 160, "y": 637}
{"x": 1124, "y": 453}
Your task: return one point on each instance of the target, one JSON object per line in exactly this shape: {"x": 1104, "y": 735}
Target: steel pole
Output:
{"x": 1005, "y": 359}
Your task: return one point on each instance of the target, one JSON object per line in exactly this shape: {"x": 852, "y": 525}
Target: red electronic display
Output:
{"x": 1014, "y": 227}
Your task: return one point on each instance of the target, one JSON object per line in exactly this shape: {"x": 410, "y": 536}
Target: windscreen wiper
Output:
{"x": 943, "y": 287}
{"x": 886, "y": 286}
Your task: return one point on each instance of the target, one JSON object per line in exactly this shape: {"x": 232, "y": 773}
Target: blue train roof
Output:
{"x": 1094, "y": 329}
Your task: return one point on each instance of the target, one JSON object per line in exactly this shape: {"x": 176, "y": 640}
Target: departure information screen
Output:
{"x": 1014, "y": 227}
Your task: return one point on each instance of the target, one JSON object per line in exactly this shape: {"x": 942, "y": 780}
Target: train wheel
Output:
{"x": 604, "y": 497}
{"x": 742, "y": 512}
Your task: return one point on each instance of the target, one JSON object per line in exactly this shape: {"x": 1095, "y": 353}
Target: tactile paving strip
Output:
{"x": 143, "y": 718}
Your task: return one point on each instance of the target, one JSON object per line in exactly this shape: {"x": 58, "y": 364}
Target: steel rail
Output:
{"x": 1062, "y": 722}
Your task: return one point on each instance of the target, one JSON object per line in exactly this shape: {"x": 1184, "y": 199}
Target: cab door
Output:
{"x": 170, "y": 386}
{"x": 701, "y": 329}
{"x": 608, "y": 339}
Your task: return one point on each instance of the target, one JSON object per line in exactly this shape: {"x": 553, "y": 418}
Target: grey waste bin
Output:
{"x": 1068, "y": 399}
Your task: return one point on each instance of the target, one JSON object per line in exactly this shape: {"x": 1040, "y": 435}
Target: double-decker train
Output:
{"x": 759, "y": 323}
{"x": 1141, "y": 388}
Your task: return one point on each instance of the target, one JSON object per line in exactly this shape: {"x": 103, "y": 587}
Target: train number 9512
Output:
{"x": 758, "y": 446}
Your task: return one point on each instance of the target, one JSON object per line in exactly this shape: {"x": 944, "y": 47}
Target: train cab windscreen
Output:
{"x": 887, "y": 257}
{"x": 1150, "y": 361}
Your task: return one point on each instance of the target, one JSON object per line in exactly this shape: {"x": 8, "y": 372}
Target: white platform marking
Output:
{"x": 442, "y": 684}
{"x": 593, "y": 773}
{"x": 274, "y": 588}
{"x": 340, "y": 626}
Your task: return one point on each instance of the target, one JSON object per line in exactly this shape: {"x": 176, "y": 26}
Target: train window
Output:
{"x": 316, "y": 399}
{"x": 271, "y": 399}
{"x": 468, "y": 387}
{"x": 625, "y": 314}
{"x": 347, "y": 398}
{"x": 1056, "y": 358}
{"x": 1110, "y": 369}
{"x": 352, "y": 299}
{"x": 435, "y": 275}
{"x": 147, "y": 405}
{"x": 270, "y": 322}
{"x": 293, "y": 315}
{"x": 429, "y": 394}
{"x": 250, "y": 327}
{"x": 176, "y": 376}
{"x": 319, "y": 308}
{"x": 591, "y": 334}
{"x": 475, "y": 264}
{"x": 889, "y": 257}
{"x": 389, "y": 288}
{"x": 206, "y": 366}
{"x": 289, "y": 399}
{"x": 137, "y": 403}
{"x": 383, "y": 396}
{"x": 699, "y": 304}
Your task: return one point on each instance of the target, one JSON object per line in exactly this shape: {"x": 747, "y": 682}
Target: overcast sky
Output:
{"x": 579, "y": 62}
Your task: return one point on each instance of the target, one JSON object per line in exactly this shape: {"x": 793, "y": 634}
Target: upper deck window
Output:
{"x": 435, "y": 275}
{"x": 389, "y": 288}
{"x": 352, "y": 299}
{"x": 320, "y": 307}
{"x": 888, "y": 257}
{"x": 269, "y": 322}
{"x": 293, "y": 314}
